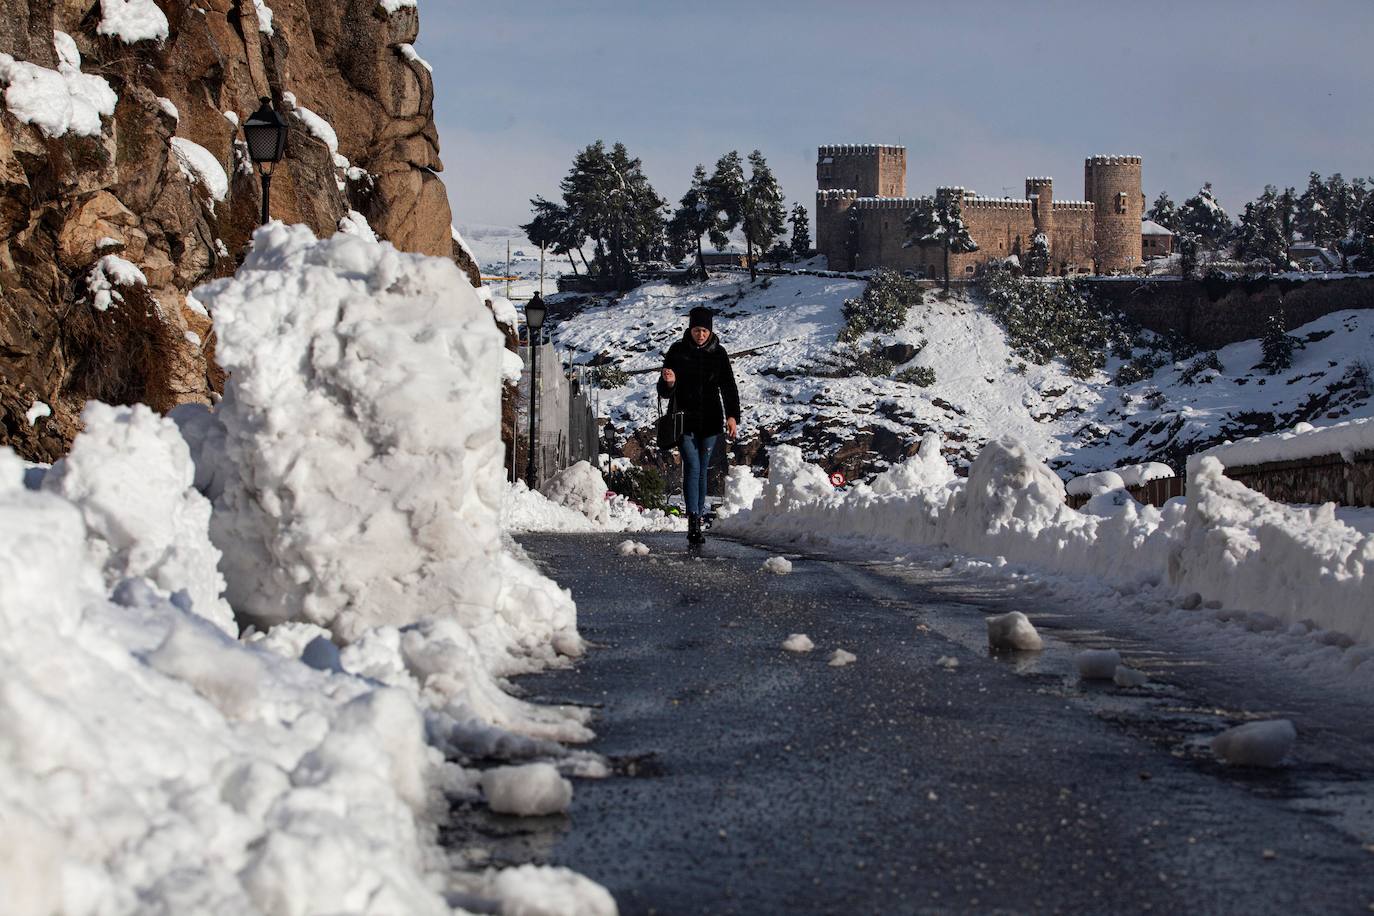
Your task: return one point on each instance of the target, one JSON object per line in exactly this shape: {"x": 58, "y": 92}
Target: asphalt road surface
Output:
{"x": 753, "y": 780}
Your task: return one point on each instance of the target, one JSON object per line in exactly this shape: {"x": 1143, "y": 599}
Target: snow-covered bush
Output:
{"x": 882, "y": 307}
{"x": 1046, "y": 320}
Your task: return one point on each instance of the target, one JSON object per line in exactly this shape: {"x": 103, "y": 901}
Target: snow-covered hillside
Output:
{"x": 783, "y": 331}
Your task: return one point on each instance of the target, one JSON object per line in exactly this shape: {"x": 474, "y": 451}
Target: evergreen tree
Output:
{"x": 801, "y": 232}
{"x": 694, "y": 216}
{"x": 1276, "y": 345}
{"x": 552, "y": 229}
{"x": 1312, "y": 218}
{"x": 1186, "y": 244}
{"x": 763, "y": 216}
{"x": 1203, "y": 217}
{"x": 1260, "y": 234}
{"x": 725, "y": 196}
{"x": 939, "y": 221}
{"x": 1038, "y": 258}
{"x": 1288, "y": 214}
{"x": 1340, "y": 207}
{"x": 1164, "y": 212}
{"x": 609, "y": 199}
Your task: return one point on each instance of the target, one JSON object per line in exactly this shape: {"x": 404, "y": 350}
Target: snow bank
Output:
{"x": 582, "y": 488}
{"x": 132, "y": 21}
{"x": 200, "y": 166}
{"x": 530, "y": 790}
{"x": 1304, "y": 441}
{"x": 1313, "y": 570}
{"x": 571, "y": 506}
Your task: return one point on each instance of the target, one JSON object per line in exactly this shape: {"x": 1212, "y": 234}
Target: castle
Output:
{"x": 861, "y": 209}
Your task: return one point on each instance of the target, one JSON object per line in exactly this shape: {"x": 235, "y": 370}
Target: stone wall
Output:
{"x": 1214, "y": 313}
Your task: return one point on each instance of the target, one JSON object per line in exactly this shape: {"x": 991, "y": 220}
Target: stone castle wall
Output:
{"x": 1113, "y": 183}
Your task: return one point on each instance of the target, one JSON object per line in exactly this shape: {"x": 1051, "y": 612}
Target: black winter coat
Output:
{"x": 705, "y": 390}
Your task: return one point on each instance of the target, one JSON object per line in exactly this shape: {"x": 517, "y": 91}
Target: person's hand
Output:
{"x": 731, "y": 426}
{"x": 669, "y": 377}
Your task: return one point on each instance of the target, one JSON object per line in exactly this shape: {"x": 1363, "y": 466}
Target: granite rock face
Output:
{"x": 359, "y": 103}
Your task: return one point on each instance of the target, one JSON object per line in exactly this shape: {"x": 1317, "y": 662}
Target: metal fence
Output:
{"x": 565, "y": 423}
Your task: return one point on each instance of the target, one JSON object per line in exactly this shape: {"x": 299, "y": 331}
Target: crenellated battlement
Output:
{"x": 996, "y": 203}
{"x": 858, "y": 149}
{"x": 827, "y": 196}
{"x": 1086, "y": 206}
{"x": 886, "y": 203}
{"x": 1113, "y": 160}
{"x": 1039, "y": 181}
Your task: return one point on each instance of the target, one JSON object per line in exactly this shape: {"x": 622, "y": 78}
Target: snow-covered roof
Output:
{"x": 1150, "y": 227}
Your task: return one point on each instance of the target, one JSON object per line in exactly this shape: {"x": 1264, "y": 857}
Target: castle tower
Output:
{"x": 1040, "y": 192}
{"x": 872, "y": 170}
{"x": 832, "y": 226}
{"x": 1112, "y": 185}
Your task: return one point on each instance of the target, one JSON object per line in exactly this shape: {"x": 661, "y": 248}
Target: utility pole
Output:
{"x": 541, "y": 271}
{"x": 507, "y": 268}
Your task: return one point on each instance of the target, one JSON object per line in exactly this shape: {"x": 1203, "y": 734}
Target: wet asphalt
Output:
{"x": 752, "y": 780}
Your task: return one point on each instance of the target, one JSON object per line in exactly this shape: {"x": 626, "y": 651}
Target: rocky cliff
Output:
{"x": 124, "y": 179}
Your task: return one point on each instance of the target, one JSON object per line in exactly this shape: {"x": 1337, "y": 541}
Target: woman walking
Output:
{"x": 697, "y": 380}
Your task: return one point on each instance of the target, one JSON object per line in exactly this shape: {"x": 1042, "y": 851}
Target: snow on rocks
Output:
{"x": 58, "y": 101}
{"x": 1013, "y": 632}
{"x": 1097, "y": 664}
{"x": 199, "y": 165}
{"x": 36, "y": 411}
{"x": 780, "y": 566}
{"x": 580, "y": 487}
{"x": 109, "y": 272}
{"x": 132, "y": 21}
{"x": 530, "y": 790}
{"x": 1258, "y": 744}
{"x": 631, "y": 548}
{"x": 839, "y": 658}
{"x": 798, "y": 642}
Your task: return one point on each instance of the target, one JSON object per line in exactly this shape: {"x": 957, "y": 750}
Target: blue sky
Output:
{"x": 982, "y": 93}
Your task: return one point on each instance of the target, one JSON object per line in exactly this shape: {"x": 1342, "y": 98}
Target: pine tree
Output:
{"x": 1260, "y": 234}
{"x": 1164, "y": 212}
{"x": 552, "y": 229}
{"x": 1288, "y": 214}
{"x": 609, "y": 199}
{"x": 1276, "y": 345}
{"x": 939, "y": 221}
{"x": 1204, "y": 218}
{"x": 801, "y": 232}
{"x": 725, "y": 196}
{"x": 763, "y": 216}
{"x": 695, "y": 217}
{"x": 1186, "y": 244}
{"x": 1312, "y": 218}
{"x": 1038, "y": 258}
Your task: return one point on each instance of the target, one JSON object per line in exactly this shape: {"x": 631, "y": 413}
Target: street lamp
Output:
{"x": 534, "y": 320}
{"x": 265, "y": 132}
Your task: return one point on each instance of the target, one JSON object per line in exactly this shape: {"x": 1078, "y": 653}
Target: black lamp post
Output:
{"x": 265, "y": 132}
{"x": 534, "y": 320}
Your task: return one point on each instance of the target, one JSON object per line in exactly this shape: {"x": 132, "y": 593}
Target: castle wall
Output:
{"x": 1112, "y": 183}
{"x": 874, "y": 170}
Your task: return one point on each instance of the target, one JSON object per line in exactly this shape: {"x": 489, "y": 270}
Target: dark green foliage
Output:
{"x": 1138, "y": 368}
{"x": 1164, "y": 212}
{"x": 608, "y": 376}
{"x": 1045, "y": 320}
{"x": 1200, "y": 364}
{"x": 1260, "y": 234}
{"x": 1276, "y": 345}
{"x": 1186, "y": 244}
{"x": 607, "y": 197}
{"x": 692, "y": 219}
{"x": 1038, "y": 258}
{"x": 852, "y": 359}
{"x": 801, "y": 232}
{"x": 938, "y": 222}
{"x": 1204, "y": 218}
{"x": 920, "y": 376}
{"x": 644, "y": 486}
{"x": 883, "y": 306}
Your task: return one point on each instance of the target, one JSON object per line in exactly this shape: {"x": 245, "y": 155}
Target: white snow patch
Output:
{"x": 581, "y": 488}
{"x": 839, "y": 658}
{"x": 132, "y": 21}
{"x": 798, "y": 642}
{"x": 264, "y": 17}
{"x": 543, "y": 890}
{"x": 1257, "y": 744}
{"x": 1013, "y": 632}
{"x": 948, "y": 662}
{"x": 354, "y": 223}
{"x": 777, "y": 565}
{"x": 58, "y": 101}
{"x": 169, "y": 108}
{"x": 531, "y": 790}
{"x": 392, "y": 6}
{"x": 108, "y": 273}
{"x": 409, "y": 53}
{"x": 36, "y": 410}
{"x": 199, "y": 164}
{"x": 632, "y": 548}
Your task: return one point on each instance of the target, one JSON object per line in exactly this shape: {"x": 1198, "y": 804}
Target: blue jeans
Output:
{"x": 696, "y": 461}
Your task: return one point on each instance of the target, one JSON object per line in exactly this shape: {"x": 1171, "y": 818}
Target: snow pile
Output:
{"x": 264, "y": 17}
{"x": 151, "y": 762}
{"x": 780, "y": 566}
{"x": 110, "y": 272}
{"x": 924, "y": 469}
{"x": 629, "y": 548}
{"x": 1013, "y": 633}
{"x": 531, "y": 890}
{"x": 132, "y": 21}
{"x": 199, "y": 165}
{"x": 798, "y": 642}
{"x": 354, "y": 223}
{"x": 1303, "y": 566}
{"x": 582, "y": 488}
{"x": 741, "y": 489}
{"x": 58, "y": 101}
{"x": 529, "y": 510}
{"x": 530, "y": 790}
{"x": 839, "y": 658}
{"x": 1097, "y": 664}
{"x": 1257, "y": 744}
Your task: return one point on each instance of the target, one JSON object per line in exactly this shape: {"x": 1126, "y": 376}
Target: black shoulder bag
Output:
{"x": 671, "y": 425}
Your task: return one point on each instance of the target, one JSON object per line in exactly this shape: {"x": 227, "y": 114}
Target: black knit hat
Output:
{"x": 699, "y": 317}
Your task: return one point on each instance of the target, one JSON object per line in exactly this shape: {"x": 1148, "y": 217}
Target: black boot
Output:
{"x": 694, "y": 535}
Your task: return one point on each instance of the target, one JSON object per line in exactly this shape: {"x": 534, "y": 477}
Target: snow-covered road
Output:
{"x": 927, "y": 774}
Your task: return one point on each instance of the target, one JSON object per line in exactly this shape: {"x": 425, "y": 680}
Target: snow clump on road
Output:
{"x": 798, "y": 642}
{"x": 840, "y": 658}
{"x": 528, "y": 791}
{"x": 631, "y": 548}
{"x": 1097, "y": 664}
{"x": 1256, "y": 744}
{"x": 780, "y": 566}
{"x": 1013, "y": 633}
